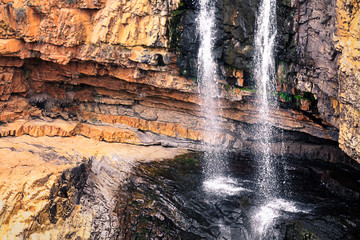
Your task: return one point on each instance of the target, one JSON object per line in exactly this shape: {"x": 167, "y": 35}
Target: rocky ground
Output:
{"x": 65, "y": 188}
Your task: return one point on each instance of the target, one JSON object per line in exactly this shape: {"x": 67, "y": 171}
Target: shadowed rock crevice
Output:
{"x": 65, "y": 195}
{"x": 53, "y": 198}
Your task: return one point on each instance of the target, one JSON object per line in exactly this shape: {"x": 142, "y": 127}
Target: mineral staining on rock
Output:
{"x": 109, "y": 62}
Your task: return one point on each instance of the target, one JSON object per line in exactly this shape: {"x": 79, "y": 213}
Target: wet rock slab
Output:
{"x": 167, "y": 200}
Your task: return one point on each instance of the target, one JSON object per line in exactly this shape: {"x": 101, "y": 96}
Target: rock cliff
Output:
{"x": 123, "y": 65}
{"x": 76, "y": 75}
{"x": 325, "y": 36}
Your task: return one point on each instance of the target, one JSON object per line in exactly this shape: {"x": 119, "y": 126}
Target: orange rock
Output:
{"x": 8, "y": 46}
{"x": 180, "y": 131}
{"x": 167, "y": 129}
{"x": 239, "y": 75}
{"x": 194, "y": 135}
{"x": 305, "y": 104}
{"x": 84, "y": 95}
{"x": 31, "y": 170}
{"x": 154, "y": 127}
{"x": 16, "y": 107}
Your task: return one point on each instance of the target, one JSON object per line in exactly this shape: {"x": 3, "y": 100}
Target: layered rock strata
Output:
{"x": 110, "y": 63}
{"x": 123, "y": 72}
{"x": 348, "y": 105}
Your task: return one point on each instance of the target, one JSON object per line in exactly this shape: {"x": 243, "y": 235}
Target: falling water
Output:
{"x": 272, "y": 207}
{"x": 208, "y": 90}
{"x": 264, "y": 74}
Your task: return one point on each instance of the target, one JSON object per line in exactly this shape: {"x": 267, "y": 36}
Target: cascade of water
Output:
{"x": 208, "y": 90}
{"x": 264, "y": 74}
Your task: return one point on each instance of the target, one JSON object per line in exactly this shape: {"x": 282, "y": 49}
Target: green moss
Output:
{"x": 291, "y": 14}
{"x": 230, "y": 68}
{"x": 305, "y": 234}
{"x": 285, "y": 96}
{"x": 27, "y": 73}
{"x": 309, "y": 96}
{"x": 93, "y": 120}
{"x": 282, "y": 72}
{"x": 247, "y": 89}
{"x": 187, "y": 160}
{"x": 306, "y": 96}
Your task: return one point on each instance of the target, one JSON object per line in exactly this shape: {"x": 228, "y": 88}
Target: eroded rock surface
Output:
{"x": 349, "y": 105}
{"x": 65, "y": 188}
{"x": 112, "y": 62}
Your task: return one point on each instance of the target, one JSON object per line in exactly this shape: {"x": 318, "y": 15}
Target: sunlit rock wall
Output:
{"x": 348, "y": 43}
{"x": 115, "y": 70}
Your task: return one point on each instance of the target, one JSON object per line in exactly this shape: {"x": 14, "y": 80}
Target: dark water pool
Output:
{"x": 169, "y": 200}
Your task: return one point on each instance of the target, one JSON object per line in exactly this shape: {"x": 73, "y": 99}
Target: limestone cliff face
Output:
{"x": 124, "y": 72}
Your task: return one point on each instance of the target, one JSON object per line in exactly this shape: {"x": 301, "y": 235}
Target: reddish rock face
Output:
{"x": 108, "y": 62}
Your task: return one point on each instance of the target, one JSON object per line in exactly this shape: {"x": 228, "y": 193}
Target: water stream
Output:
{"x": 272, "y": 205}
{"x": 264, "y": 74}
{"x": 208, "y": 91}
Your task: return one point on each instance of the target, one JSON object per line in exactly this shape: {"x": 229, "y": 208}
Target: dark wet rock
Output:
{"x": 234, "y": 35}
{"x": 183, "y": 210}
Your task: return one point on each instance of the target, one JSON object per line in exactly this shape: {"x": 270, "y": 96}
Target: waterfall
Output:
{"x": 208, "y": 91}
{"x": 264, "y": 74}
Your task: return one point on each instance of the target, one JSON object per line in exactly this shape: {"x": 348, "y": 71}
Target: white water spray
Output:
{"x": 265, "y": 35}
{"x": 208, "y": 90}
{"x": 264, "y": 74}
{"x": 267, "y": 214}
